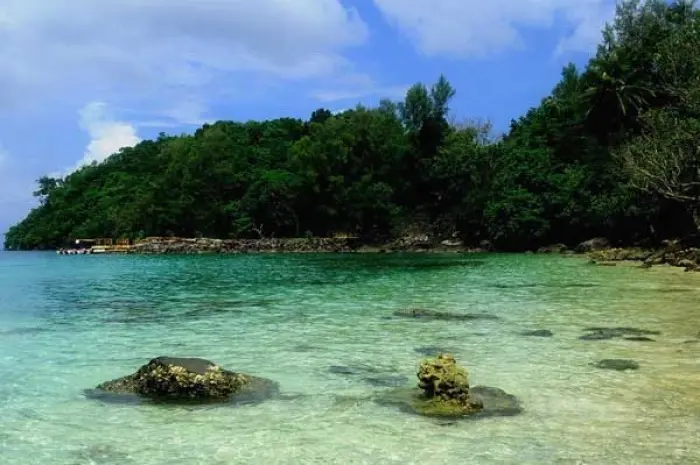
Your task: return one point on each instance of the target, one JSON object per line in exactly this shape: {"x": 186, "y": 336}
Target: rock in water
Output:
{"x": 443, "y": 391}
{"x": 617, "y": 364}
{"x": 188, "y": 379}
{"x": 427, "y": 314}
{"x": 599, "y": 334}
{"x": 445, "y": 388}
{"x": 538, "y": 333}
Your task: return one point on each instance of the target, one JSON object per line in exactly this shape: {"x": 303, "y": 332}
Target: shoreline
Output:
{"x": 598, "y": 250}
{"x": 192, "y": 246}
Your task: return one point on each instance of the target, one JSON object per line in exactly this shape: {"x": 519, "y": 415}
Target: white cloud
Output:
{"x": 107, "y": 135}
{"x": 173, "y": 48}
{"x": 476, "y": 28}
{"x": 356, "y": 86}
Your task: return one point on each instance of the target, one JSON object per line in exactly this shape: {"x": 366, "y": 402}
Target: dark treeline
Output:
{"x": 613, "y": 151}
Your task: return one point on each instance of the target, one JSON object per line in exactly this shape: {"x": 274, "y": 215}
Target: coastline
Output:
{"x": 598, "y": 250}
{"x": 177, "y": 245}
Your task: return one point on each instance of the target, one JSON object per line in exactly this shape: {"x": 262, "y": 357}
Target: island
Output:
{"x": 610, "y": 153}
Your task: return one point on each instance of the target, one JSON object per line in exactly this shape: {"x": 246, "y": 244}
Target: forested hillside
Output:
{"x": 614, "y": 151}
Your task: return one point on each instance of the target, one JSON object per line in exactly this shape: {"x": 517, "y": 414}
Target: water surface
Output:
{"x": 70, "y": 322}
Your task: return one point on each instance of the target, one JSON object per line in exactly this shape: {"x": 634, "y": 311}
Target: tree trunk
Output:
{"x": 695, "y": 210}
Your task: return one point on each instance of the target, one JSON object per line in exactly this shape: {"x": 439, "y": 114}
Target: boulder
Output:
{"x": 554, "y": 248}
{"x": 591, "y": 245}
{"x": 443, "y": 391}
{"x": 688, "y": 264}
{"x": 172, "y": 379}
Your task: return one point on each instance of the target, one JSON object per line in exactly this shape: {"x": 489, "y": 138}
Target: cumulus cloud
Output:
{"x": 172, "y": 47}
{"x": 107, "y": 135}
{"x": 468, "y": 28}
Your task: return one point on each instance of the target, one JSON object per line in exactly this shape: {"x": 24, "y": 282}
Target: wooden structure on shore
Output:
{"x": 97, "y": 246}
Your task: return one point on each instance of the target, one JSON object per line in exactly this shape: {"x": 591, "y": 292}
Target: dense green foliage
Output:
{"x": 613, "y": 151}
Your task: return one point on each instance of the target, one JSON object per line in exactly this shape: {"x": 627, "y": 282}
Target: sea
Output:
{"x": 323, "y": 327}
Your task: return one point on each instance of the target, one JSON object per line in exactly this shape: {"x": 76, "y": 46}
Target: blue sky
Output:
{"x": 81, "y": 78}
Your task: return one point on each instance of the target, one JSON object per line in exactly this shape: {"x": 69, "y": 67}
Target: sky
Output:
{"x": 81, "y": 78}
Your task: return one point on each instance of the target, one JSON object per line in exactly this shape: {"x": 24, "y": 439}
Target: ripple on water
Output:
{"x": 79, "y": 321}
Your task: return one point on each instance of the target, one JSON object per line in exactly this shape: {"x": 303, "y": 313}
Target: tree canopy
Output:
{"x": 612, "y": 151}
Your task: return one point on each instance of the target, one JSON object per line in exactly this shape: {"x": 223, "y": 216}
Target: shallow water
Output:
{"x": 70, "y": 322}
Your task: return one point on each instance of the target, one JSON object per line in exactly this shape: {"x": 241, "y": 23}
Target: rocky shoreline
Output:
{"x": 599, "y": 250}
{"x": 673, "y": 253}
{"x": 179, "y": 245}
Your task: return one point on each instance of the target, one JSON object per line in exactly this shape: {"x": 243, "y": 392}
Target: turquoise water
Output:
{"x": 70, "y": 322}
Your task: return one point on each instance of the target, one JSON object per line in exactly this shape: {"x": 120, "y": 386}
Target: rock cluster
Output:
{"x": 178, "y": 245}
{"x": 673, "y": 253}
{"x": 184, "y": 379}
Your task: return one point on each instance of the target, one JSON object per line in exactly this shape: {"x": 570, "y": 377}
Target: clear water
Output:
{"x": 70, "y": 322}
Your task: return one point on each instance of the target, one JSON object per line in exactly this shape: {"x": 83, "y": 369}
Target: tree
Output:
{"x": 665, "y": 160}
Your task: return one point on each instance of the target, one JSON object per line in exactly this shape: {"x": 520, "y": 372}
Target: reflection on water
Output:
{"x": 323, "y": 327}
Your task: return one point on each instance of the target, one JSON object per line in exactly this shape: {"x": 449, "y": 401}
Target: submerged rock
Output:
{"x": 640, "y": 339}
{"x": 426, "y": 314}
{"x": 173, "y": 379}
{"x": 599, "y": 334}
{"x": 443, "y": 391}
{"x": 494, "y": 402}
{"x": 617, "y": 364}
{"x": 538, "y": 333}
{"x": 431, "y": 351}
{"x": 386, "y": 380}
{"x": 343, "y": 370}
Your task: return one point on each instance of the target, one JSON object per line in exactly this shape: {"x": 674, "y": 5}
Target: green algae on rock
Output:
{"x": 443, "y": 391}
{"x": 187, "y": 379}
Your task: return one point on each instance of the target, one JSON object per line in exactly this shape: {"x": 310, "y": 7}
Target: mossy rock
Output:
{"x": 441, "y": 377}
{"x": 485, "y": 402}
{"x": 188, "y": 380}
{"x": 443, "y": 391}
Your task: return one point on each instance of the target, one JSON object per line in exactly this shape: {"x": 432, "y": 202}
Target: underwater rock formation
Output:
{"x": 187, "y": 379}
{"x": 443, "y": 391}
{"x": 427, "y": 314}
{"x": 445, "y": 388}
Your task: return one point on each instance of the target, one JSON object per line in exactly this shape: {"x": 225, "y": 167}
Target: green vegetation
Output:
{"x": 613, "y": 151}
